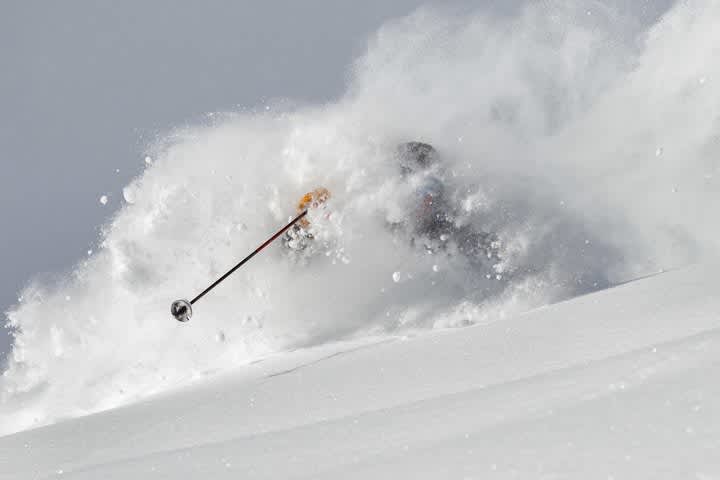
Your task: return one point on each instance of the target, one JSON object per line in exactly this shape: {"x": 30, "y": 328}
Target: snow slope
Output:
{"x": 616, "y": 384}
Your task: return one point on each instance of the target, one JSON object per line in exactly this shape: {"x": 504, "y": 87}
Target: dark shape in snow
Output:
{"x": 431, "y": 217}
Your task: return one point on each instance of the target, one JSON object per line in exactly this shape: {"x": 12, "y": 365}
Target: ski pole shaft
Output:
{"x": 247, "y": 259}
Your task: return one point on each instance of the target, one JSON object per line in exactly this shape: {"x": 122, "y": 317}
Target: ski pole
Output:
{"x": 182, "y": 309}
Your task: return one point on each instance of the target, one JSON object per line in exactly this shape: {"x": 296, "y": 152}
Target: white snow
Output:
{"x": 617, "y": 384}
{"x": 130, "y": 193}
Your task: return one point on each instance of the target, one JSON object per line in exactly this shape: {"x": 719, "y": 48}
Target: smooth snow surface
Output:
{"x": 587, "y": 143}
{"x": 617, "y": 384}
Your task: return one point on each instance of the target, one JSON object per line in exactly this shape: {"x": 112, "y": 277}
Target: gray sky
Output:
{"x": 86, "y": 84}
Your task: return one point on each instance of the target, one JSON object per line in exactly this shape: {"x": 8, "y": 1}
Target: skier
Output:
{"x": 430, "y": 219}
{"x": 431, "y": 216}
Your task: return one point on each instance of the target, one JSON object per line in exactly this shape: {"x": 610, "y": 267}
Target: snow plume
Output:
{"x": 585, "y": 143}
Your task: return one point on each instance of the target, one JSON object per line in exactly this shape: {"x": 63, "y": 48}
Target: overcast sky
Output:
{"x": 85, "y": 85}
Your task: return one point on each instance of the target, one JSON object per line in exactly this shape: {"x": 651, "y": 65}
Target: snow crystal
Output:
{"x": 104, "y": 200}
{"x": 129, "y": 194}
{"x": 396, "y": 277}
{"x": 148, "y": 161}
{"x": 659, "y": 152}
{"x": 435, "y": 268}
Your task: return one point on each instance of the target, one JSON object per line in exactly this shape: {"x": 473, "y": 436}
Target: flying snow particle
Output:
{"x": 129, "y": 194}
{"x": 104, "y": 200}
{"x": 148, "y": 161}
{"x": 659, "y": 151}
{"x": 435, "y": 268}
{"x": 396, "y": 277}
